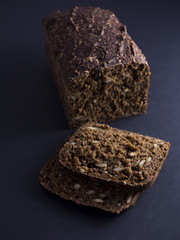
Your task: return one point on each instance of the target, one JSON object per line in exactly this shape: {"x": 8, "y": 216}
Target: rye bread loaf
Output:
{"x": 99, "y": 71}
{"x": 110, "y": 154}
{"x": 85, "y": 190}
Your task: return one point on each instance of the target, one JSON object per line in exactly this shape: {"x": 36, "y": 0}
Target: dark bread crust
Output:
{"x": 62, "y": 181}
{"x": 129, "y": 159}
{"x": 85, "y": 38}
{"x": 82, "y": 42}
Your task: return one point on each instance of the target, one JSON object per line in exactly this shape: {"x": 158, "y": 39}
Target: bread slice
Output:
{"x": 85, "y": 190}
{"x": 110, "y": 154}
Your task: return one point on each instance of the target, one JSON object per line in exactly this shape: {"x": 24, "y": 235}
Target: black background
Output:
{"x": 32, "y": 125}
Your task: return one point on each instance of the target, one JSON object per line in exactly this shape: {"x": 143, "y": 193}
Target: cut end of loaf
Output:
{"x": 109, "y": 94}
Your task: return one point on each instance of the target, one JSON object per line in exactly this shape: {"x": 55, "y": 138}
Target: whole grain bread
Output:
{"x": 99, "y": 71}
{"x": 110, "y": 154}
{"x": 85, "y": 190}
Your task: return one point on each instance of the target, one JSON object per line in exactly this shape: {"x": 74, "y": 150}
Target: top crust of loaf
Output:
{"x": 85, "y": 38}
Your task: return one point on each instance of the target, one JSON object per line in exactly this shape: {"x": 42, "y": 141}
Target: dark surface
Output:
{"x": 32, "y": 125}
